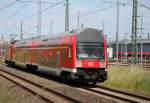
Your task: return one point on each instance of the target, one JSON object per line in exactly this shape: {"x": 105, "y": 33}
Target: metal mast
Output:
{"x": 82, "y": 26}
{"x": 21, "y": 34}
{"x": 103, "y": 27}
{"x": 67, "y": 16}
{"x": 39, "y": 19}
{"x": 51, "y": 27}
{"x": 134, "y": 32}
{"x": 141, "y": 41}
{"x": 117, "y": 31}
{"x": 78, "y": 25}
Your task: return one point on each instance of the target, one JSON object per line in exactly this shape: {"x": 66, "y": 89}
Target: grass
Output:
{"x": 131, "y": 79}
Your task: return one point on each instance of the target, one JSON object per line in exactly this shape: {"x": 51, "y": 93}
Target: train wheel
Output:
{"x": 11, "y": 64}
{"x": 94, "y": 83}
{"x": 28, "y": 67}
{"x": 63, "y": 76}
{"x": 34, "y": 69}
{"x": 68, "y": 77}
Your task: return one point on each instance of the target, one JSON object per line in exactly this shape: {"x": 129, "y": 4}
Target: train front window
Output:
{"x": 90, "y": 50}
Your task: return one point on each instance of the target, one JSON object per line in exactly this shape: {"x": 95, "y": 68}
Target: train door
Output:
{"x": 58, "y": 60}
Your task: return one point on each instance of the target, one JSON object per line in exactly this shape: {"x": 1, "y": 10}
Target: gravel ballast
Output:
{"x": 82, "y": 96}
{"x": 11, "y": 93}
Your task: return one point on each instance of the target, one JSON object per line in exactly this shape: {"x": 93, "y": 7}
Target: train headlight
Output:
{"x": 102, "y": 64}
{"x": 78, "y": 64}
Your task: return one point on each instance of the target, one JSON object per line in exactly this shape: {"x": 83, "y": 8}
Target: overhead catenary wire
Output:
{"x": 88, "y": 13}
{"x": 54, "y": 4}
{"x": 37, "y": 2}
{"x": 8, "y": 5}
{"x": 144, "y": 5}
{"x": 97, "y": 4}
{"x": 46, "y": 9}
{"x": 14, "y": 14}
{"x": 99, "y": 10}
{"x": 17, "y": 11}
{"x": 85, "y": 14}
{"x": 57, "y": 3}
{"x": 81, "y": 15}
{"x": 14, "y": 26}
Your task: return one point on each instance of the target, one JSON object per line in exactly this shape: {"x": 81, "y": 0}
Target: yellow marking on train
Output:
{"x": 62, "y": 47}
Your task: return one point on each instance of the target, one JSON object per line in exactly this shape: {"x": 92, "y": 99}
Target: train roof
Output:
{"x": 39, "y": 40}
{"x": 90, "y": 35}
{"x": 84, "y": 35}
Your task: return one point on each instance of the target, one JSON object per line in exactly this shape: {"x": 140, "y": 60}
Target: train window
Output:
{"x": 64, "y": 54}
{"x": 40, "y": 52}
{"x": 50, "y": 54}
{"x": 91, "y": 51}
{"x": 69, "y": 51}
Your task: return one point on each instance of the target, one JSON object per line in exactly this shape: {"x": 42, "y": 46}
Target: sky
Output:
{"x": 100, "y": 14}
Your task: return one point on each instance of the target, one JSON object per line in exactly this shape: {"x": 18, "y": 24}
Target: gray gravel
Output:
{"x": 11, "y": 93}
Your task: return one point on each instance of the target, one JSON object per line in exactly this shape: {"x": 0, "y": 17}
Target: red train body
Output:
{"x": 80, "y": 55}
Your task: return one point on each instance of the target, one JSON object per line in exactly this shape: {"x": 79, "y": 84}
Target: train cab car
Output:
{"x": 91, "y": 56}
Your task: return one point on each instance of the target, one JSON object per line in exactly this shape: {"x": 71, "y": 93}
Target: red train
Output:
{"x": 77, "y": 55}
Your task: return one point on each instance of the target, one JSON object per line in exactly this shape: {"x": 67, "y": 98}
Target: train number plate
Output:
{"x": 90, "y": 64}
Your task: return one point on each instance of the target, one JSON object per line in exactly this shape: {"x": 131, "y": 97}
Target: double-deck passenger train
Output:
{"x": 79, "y": 55}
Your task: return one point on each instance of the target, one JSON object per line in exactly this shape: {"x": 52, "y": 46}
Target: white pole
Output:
{"x": 117, "y": 31}
{"x": 39, "y": 19}
{"x": 78, "y": 23}
{"x": 51, "y": 27}
{"x": 141, "y": 41}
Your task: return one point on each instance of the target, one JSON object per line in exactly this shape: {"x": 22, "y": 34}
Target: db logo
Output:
{"x": 90, "y": 64}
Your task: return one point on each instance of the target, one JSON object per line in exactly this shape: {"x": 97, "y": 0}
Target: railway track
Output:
{"x": 42, "y": 92}
{"x": 116, "y": 94}
{"x": 145, "y": 66}
{"x": 98, "y": 90}
{"x": 78, "y": 96}
{"x": 120, "y": 64}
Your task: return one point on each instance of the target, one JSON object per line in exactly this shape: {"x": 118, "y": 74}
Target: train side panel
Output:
{"x": 54, "y": 58}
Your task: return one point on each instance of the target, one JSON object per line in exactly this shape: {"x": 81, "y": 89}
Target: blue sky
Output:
{"x": 11, "y": 17}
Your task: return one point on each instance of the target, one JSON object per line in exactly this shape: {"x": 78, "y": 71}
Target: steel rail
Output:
{"x": 116, "y": 94}
{"x": 69, "y": 99}
{"x": 125, "y": 93}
